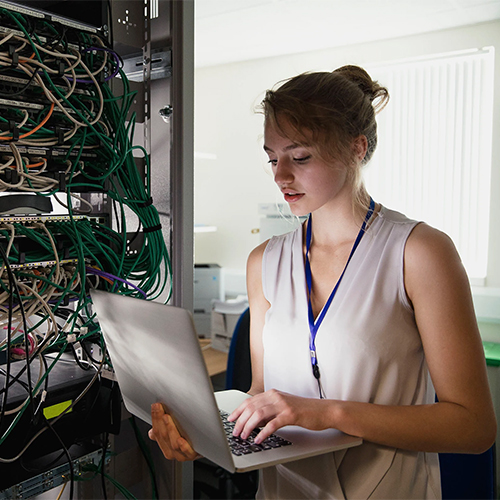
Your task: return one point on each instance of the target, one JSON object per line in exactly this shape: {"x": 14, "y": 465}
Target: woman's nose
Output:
{"x": 282, "y": 172}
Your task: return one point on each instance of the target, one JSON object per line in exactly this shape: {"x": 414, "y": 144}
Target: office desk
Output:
{"x": 215, "y": 360}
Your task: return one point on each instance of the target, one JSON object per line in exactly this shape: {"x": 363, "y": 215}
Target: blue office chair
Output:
{"x": 239, "y": 368}
{"x": 468, "y": 477}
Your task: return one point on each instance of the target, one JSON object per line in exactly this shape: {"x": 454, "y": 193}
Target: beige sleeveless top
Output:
{"x": 368, "y": 349}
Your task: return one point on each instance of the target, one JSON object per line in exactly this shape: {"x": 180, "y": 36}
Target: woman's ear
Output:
{"x": 360, "y": 146}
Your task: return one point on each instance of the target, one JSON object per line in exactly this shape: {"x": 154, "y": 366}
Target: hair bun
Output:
{"x": 369, "y": 87}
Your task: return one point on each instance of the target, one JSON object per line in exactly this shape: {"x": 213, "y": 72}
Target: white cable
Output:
{"x": 6, "y": 38}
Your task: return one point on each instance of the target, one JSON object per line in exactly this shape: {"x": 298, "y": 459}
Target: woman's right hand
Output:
{"x": 166, "y": 434}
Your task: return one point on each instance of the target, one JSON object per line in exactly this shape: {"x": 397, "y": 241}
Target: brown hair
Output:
{"x": 328, "y": 111}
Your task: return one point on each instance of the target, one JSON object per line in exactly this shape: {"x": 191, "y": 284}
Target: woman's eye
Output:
{"x": 302, "y": 159}
{"x": 273, "y": 162}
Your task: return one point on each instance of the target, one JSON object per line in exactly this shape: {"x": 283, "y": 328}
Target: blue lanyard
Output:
{"x": 314, "y": 325}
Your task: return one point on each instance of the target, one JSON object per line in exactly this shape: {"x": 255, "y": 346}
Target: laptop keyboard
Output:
{"x": 246, "y": 446}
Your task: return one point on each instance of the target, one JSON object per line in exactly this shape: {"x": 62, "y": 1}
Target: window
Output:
{"x": 433, "y": 162}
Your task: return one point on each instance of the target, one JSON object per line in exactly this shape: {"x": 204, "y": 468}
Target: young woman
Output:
{"x": 358, "y": 318}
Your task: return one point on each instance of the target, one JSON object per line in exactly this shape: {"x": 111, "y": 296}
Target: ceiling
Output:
{"x": 239, "y": 30}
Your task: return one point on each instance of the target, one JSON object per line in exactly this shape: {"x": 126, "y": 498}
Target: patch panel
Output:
{"x": 33, "y": 219}
{"x": 17, "y": 83}
{"x": 82, "y": 467}
{"x": 34, "y": 104}
{"x": 38, "y": 14}
{"x": 46, "y": 263}
{"x": 54, "y": 152}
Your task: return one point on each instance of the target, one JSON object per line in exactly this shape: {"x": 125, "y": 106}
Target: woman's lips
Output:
{"x": 293, "y": 197}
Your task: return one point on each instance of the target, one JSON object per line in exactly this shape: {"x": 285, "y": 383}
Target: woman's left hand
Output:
{"x": 273, "y": 409}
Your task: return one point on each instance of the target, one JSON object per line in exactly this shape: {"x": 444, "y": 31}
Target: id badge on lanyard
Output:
{"x": 314, "y": 325}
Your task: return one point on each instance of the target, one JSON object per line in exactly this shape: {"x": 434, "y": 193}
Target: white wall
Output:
{"x": 228, "y": 189}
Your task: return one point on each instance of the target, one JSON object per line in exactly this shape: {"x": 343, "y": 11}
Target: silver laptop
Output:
{"x": 157, "y": 357}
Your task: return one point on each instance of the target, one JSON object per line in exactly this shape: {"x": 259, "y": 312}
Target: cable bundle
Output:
{"x": 64, "y": 133}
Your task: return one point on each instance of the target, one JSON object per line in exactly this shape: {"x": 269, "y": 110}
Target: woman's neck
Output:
{"x": 337, "y": 223}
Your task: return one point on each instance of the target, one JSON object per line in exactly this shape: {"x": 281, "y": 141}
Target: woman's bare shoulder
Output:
{"x": 427, "y": 243}
{"x": 432, "y": 263}
{"x": 254, "y": 262}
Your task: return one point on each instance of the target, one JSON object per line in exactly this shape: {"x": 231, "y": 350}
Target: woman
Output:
{"x": 358, "y": 318}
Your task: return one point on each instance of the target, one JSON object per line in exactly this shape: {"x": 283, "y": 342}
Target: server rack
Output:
{"x": 61, "y": 133}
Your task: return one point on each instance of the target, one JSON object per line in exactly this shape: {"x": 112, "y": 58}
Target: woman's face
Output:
{"x": 307, "y": 182}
